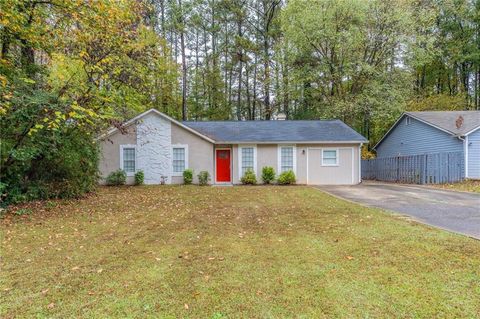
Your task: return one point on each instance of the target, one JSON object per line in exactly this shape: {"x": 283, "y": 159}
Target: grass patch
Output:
{"x": 212, "y": 252}
{"x": 469, "y": 185}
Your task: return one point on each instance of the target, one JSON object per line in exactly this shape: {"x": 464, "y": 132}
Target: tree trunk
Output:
{"x": 247, "y": 90}
{"x": 254, "y": 102}
{"x": 240, "y": 69}
{"x": 266, "y": 79}
{"x": 184, "y": 64}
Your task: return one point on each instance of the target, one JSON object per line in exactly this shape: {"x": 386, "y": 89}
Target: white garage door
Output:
{"x": 330, "y": 166}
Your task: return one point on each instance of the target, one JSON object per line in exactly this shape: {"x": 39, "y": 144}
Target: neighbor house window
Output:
{"x": 128, "y": 159}
{"x": 286, "y": 158}
{"x": 407, "y": 120}
{"x": 179, "y": 155}
{"x": 329, "y": 157}
{"x": 247, "y": 159}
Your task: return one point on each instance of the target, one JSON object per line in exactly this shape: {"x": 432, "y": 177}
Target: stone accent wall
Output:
{"x": 154, "y": 155}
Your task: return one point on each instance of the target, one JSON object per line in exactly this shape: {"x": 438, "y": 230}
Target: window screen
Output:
{"x": 286, "y": 161}
{"x": 129, "y": 160}
{"x": 178, "y": 159}
{"x": 247, "y": 159}
{"x": 329, "y": 157}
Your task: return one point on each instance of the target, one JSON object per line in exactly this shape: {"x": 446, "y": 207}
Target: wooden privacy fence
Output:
{"x": 436, "y": 168}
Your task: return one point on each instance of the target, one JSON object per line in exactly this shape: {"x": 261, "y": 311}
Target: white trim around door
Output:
{"x": 215, "y": 164}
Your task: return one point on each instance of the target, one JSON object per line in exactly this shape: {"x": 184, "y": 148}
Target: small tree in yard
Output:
{"x": 268, "y": 174}
{"x": 287, "y": 178}
{"x": 249, "y": 178}
{"x": 187, "y": 176}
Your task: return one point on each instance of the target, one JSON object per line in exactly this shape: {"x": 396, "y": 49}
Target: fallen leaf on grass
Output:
{"x": 186, "y": 306}
{"x": 75, "y": 268}
{"x": 44, "y": 291}
{"x": 51, "y": 305}
{"x": 99, "y": 271}
{"x": 349, "y": 257}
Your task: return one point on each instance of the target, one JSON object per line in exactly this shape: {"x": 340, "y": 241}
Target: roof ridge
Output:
{"x": 259, "y": 121}
{"x": 447, "y": 111}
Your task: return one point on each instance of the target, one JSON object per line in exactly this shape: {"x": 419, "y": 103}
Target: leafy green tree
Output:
{"x": 67, "y": 71}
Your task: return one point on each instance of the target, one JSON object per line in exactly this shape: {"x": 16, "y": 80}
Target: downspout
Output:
{"x": 465, "y": 152}
{"x": 360, "y": 163}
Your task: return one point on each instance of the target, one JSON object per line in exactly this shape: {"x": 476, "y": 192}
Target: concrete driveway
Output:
{"x": 454, "y": 211}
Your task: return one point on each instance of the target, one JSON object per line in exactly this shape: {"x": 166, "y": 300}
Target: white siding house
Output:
{"x": 318, "y": 152}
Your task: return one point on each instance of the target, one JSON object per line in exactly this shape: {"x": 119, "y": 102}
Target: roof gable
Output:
{"x": 445, "y": 121}
{"x": 138, "y": 117}
{"x": 458, "y": 123}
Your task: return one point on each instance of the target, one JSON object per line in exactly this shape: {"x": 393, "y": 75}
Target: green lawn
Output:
{"x": 211, "y": 252}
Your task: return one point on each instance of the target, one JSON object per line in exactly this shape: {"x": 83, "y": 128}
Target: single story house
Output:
{"x": 319, "y": 152}
{"x": 416, "y": 133}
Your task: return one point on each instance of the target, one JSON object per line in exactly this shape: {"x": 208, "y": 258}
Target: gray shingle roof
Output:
{"x": 447, "y": 120}
{"x": 277, "y": 131}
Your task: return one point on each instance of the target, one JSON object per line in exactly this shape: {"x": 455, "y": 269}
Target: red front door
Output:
{"x": 223, "y": 165}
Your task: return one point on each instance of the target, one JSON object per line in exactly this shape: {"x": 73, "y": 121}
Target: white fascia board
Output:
{"x": 289, "y": 142}
{"x": 131, "y": 121}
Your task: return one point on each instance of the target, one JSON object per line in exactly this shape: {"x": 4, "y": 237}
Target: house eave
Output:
{"x": 292, "y": 142}
{"x": 471, "y": 131}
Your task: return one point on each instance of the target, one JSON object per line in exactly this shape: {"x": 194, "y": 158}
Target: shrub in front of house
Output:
{"x": 119, "y": 177}
{"x": 139, "y": 178}
{"x": 287, "y": 178}
{"x": 268, "y": 174}
{"x": 249, "y": 178}
{"x": 188, "y": 176}
{"x": 203, "y": 178}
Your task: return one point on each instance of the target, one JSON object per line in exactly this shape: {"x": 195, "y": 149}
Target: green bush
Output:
{"x": 119, "y": 177}
{"x": 48, "y": 164}
{"x": 249, "y": 178}
{"x": 188, "y": 176}
{"x": 203, "y": 178}
{"x": 268, "y": 174}
{"x": 287, "y": 178}
{"x": 139, "y": 177}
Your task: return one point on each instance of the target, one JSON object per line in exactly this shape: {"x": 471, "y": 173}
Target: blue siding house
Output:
{"x": 416, "y": 133}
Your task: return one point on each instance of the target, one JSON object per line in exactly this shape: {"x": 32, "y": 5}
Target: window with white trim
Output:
{"x": 329, "y": 157}
{"x": 286, "y": 158}
{"x": 179, "y": 162}
{"x": 247, "y": 159}
{"x": 128, "y": 157}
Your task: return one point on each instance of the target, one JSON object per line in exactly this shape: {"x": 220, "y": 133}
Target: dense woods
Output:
{"x": 71, "y": 68}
